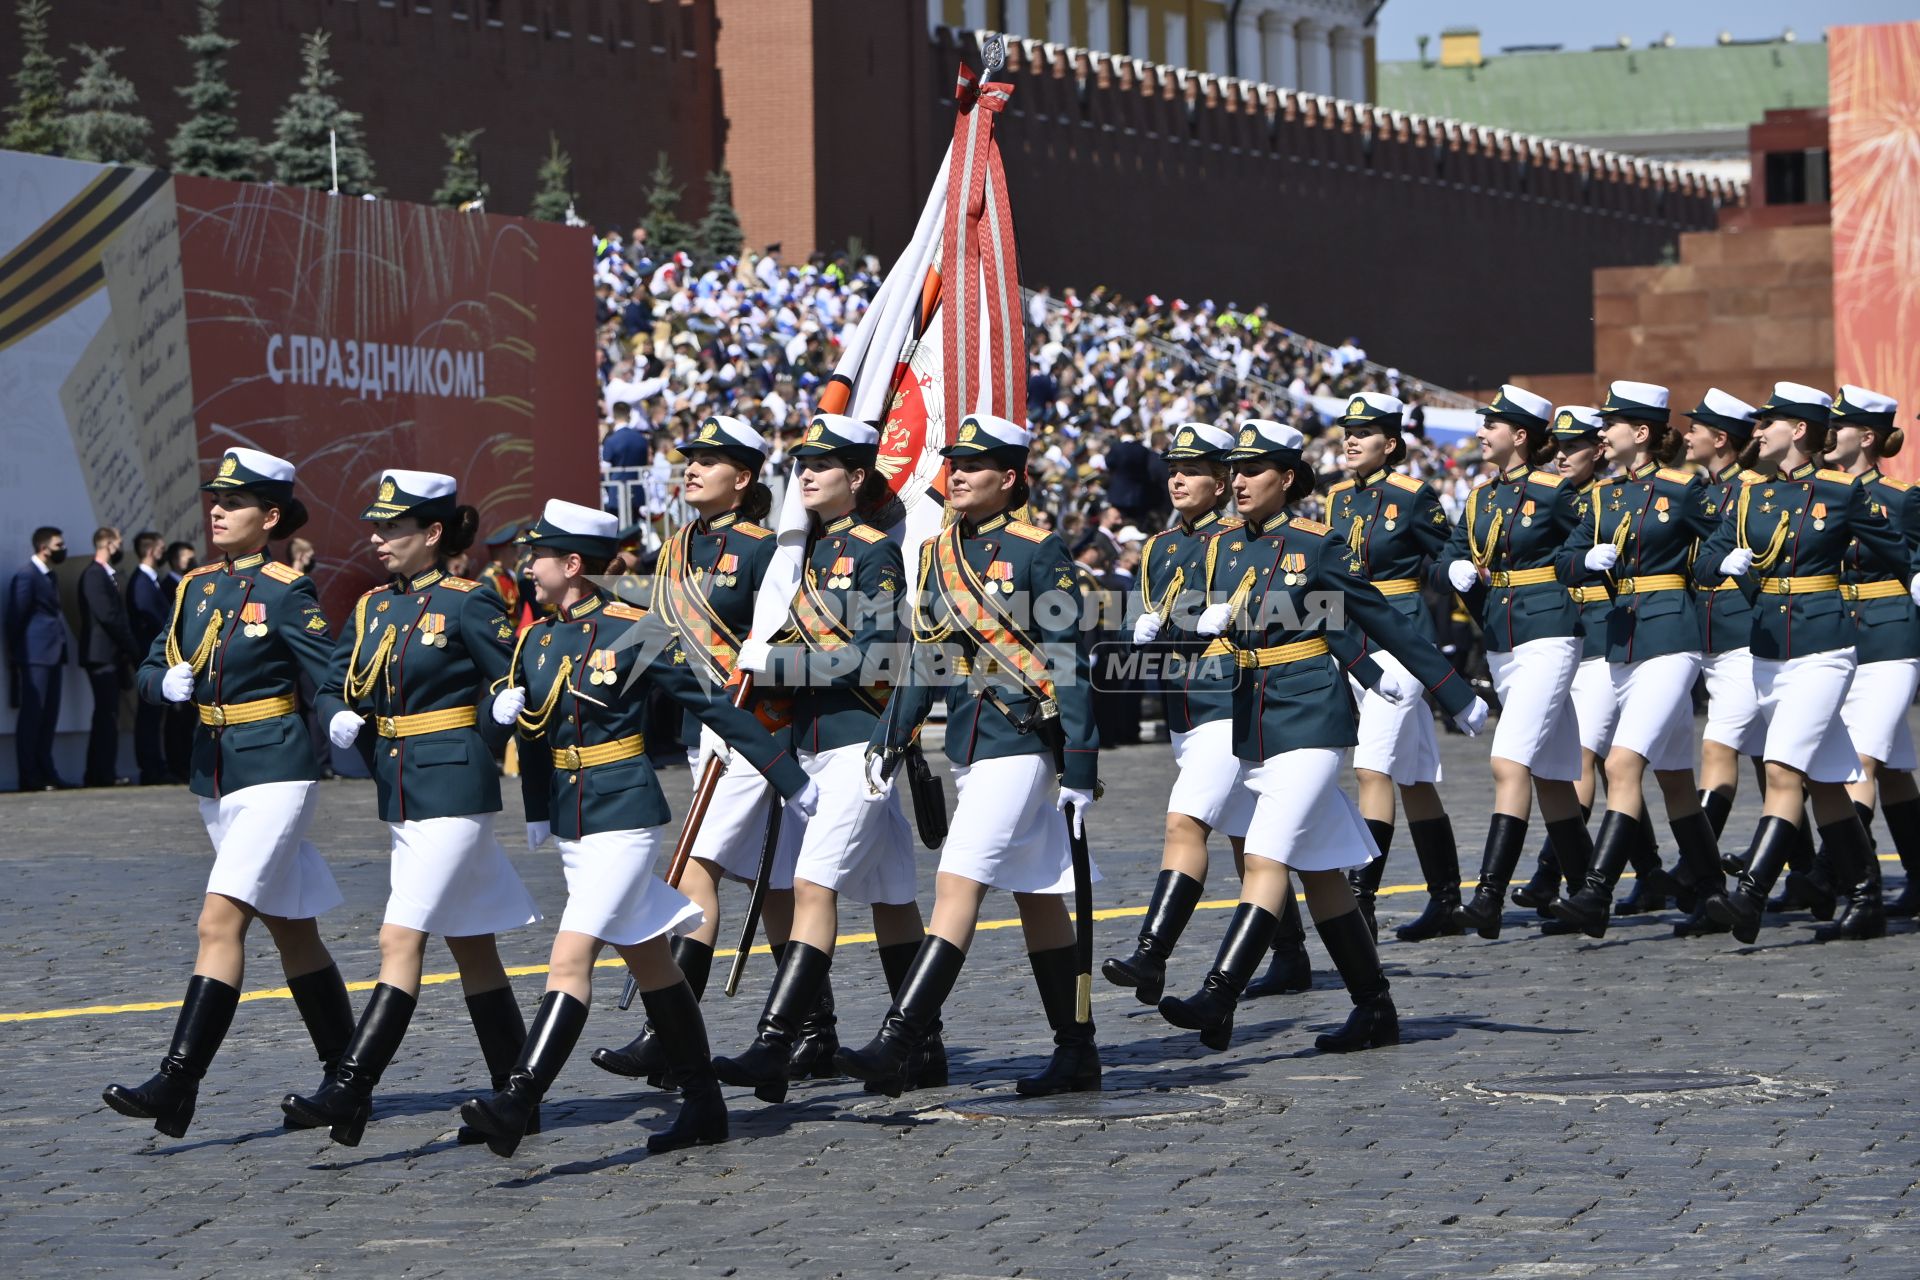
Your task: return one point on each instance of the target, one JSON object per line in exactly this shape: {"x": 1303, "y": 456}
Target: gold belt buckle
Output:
{"x": 216, "y": 715}
{"x": 570, "y": 758}
{"x": 386, "y": 726}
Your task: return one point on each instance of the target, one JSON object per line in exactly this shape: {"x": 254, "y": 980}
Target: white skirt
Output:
{"x": 612, "y": 893}
{"x": 1301, "y": 817}
{"x": 1207, "y": 787}
{"x": 261, "y": 854}
{"x": 1005, "y": 832}
{"x": 859, "y": 847}
{"x": 1656, "y": 709}
{"x": 1537, "y": 727}
{"x": 451, "y": 877}
{"x": 1733, "y": 706}
{"x": 1595, "y": 707}
{"x": 1876, "y": 711}
{"x": 734, "y": 832}
{"x": 1396, "y": 738}
{"x": 1800, "y": 702}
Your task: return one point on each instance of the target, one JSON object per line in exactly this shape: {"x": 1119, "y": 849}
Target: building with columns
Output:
{"x": 1313, "y": 46}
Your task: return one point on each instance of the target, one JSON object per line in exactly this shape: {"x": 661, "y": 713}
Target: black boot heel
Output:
{"x": 168, "y": 1098}
{"x": 1374, "y": 1023}
{"x": 505, "y": 1117}
{"x": 1210, "y": 1010}
{"x": 702, "y": 1120}
{"x": 1169, "y": 909}
{"x": 883, "y": 1062}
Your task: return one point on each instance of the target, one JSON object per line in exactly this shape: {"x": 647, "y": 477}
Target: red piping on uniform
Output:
{"x": 399, "y": 697}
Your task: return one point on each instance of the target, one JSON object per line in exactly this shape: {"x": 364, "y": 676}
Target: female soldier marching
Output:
{"x": 844, "y": 626}
{"x": 1644, "y": 526}
{"x": 998, "y": 605}
{"x": 244, "y": 630}
{"x": 1292, "y": 720}
{"x": 703, "y": 590}
{"x": 577, "y": 689}
{"x": 1207, "y": 795}
{"x": 1394, "y": 526}
{"x": 420, "y": 655}
{"x": 1509, "y": 561}
{"x": 1785, "y": 543}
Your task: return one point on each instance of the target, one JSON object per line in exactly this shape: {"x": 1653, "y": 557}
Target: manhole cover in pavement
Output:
{"x": 1611, "y": 1084}
{"x": 1085, "y": 1108}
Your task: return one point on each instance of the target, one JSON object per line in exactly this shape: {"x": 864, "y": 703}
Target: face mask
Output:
{"x": 57, "y": 557}
{"x": 119, "y": 554}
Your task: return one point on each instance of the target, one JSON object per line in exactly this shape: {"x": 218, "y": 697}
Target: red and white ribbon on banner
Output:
{"x": 983, "y": 329}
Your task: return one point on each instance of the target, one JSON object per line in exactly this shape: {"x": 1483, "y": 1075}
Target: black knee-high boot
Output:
{"x": 1506, "y": 837}
{"x": 325, "y": 1008}
{"x": 1543, "y": 887}
{"x": 1374, "y": 1022}
{"x": 503, "y": 1117}
{"x": 1210, "y": 1010}
{"x": 1858, "y": 872}
{"x": 1810, "y": 884}
{"x": 1075, "y": 1065}
{"x": 819, "y": 1037}
{"x": 168, "y": 1097}
{"x": 1652, "y": 886}
{"x": 1718, "y": 806}
{"x": 1169, "y": 909}
{"x": 916, "y": 1009}
{"x": 1365, "y": 881}
{"x": 1290, "y": 971}
{"x": 767, "y": 1064}
{"x": 1700, "y": 855}
{"x": 1573, "y": 847}
{"x": 1587, "y": 908}
{"x": 344, "y": 1100}
{"x": 1439, "y": 858}
{"x": 642, "y": 1057}
{"x": 1903, "y": 824}
{"x": 702, "y": 1121}
{"x": 1740, "y": 908}
{"x": 502, "y": 1033}
{"x": 927, "y": 1065}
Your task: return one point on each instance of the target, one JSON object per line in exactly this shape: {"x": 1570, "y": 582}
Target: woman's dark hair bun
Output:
{"x": 458, "y": 532}
{"x": 293, "y": 518}
{"x": 1891, "y": 443}
{"x": 1541, "y": 446}
{"x": 756, "y": 503}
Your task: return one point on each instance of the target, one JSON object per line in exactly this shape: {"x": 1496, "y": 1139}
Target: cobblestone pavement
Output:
{"x": 1265, "y": 1160}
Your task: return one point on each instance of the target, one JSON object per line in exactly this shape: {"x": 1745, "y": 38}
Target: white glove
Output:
{"x": 712, "y": 747}
{"x": 877, "y": 783}
{"x": 1146, "y": 629}
{"x": 755, "y": 655}
{"x": 508, "y": 704}
{"x": 1913, "y": 588}
{"x": 805, "y": 802}
{"x": 1081, "y": 801}
{"x": 1462, "y": 575}
{"x": 1399, "y": 687}
{"x": 537, "y": 833}
{"x": 1214, "y": 619}
{"x": 344, "y": 728}
{"x": 177, "y": 684}
{"x": 1739, "y": 563}
{"x": 1603, "y": 557}
{"x": 1473, "y": 718}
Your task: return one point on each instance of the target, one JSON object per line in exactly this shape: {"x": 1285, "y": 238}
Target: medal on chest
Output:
{"x": 1293, "y": 566}
{"x": 1660, "y": 508}
{"x": 1819, "y": 514}
{"x": 1526, "y": 512}
{"x": 840, "y": 576}
{"x": 1000, "y": 576}
{"x": 726, "y": 570}
{"x": 433, "y": 630}
{"x": 253, "y": 617}
{"x": 1391, "y": 515}
{"x": 600, "y": 667}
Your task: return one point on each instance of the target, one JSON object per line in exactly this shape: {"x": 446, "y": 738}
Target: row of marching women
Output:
{"x": 1778, "y": 564}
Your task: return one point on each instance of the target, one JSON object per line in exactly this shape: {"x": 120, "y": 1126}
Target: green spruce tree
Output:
{"x": 298, "y": 153}
{"x": 102, "y": 122}
{"x": 33, "y": 117}
{"x": 553, "y": 192}
{"x": 719, "y": 233}
{"x": 460, "y": 181}
{"x": 666, "y": 233}
{"x": 208, "y": 142}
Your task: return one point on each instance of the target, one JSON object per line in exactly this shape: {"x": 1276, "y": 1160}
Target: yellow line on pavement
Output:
{"x": 527, "y": 970}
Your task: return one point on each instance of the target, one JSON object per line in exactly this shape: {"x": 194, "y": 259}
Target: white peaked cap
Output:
{"x": 1584, "y": 414}
{"x": 421, "y": 484}
{"x": 1797, "y": 393}
{"x": 588, "y": 522}
{"x": 1868, "y": 401}
{"x": 1727, "y": 406}
{"x": 852, "y": 430}
{"x": 1381, "y": 401}
{"x": 261, "y": 464}
{"x": 1646, "y": 393}
{"x": 736, "y": 431}
{"x": 1275, "y": 435}
{"x": 1006, "y": 433}
{"x": 1538, "y": 406}
{"x": 1212, "y": 436}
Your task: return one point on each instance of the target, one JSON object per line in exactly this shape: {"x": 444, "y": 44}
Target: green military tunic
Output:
{"x": 1656, "y": 517}
{"x": 586, "y": 670}
{"x": 1395, "y": 527}
{"x": 1288, "y": 576}
{"x": 1801, "y": 527}
{"x": 1726, "y": 612}
{"x": 432, "y": 644}
{"x": 1591, "y": 600}
{"x": 1517, "y": 529}
{"x": 717, "y": 566}
{"x": 1198, "y": 690}
{"x": 1882, "y": 607}
{"x": 1027, "y": 569}
{"x": 845, "y": 626}
{"x": 251, "y": 627}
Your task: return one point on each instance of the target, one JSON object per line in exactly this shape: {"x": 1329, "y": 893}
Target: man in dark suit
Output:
{"x": 36, "y": 651}
{"x": 625, "y": 451}
{"x": 1130, "y": 479}
{"x": 107, "y": 652}
{"x": 147, "y": 615}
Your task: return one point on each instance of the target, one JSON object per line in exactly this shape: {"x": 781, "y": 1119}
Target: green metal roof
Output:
{"x": 1614, "y": 92}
